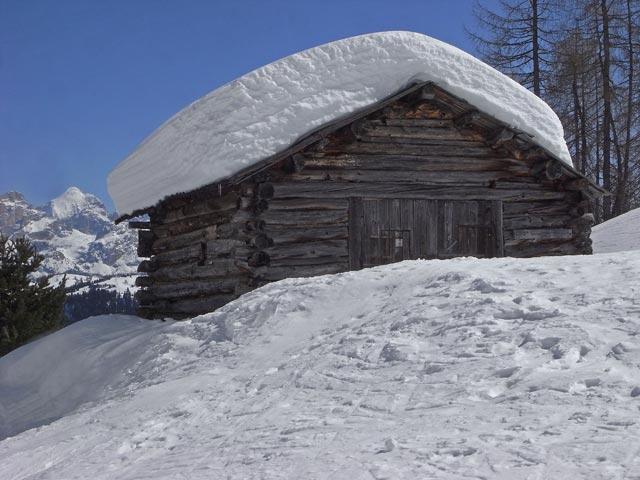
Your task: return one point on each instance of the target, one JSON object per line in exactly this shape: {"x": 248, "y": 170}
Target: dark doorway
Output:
{"x": 385, "y": 231}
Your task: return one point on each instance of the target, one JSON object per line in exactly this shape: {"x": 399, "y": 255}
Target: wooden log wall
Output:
{"x": 419, "y": 152}
{"x": 293, "y": 219}
{"x": 199, "y": 249}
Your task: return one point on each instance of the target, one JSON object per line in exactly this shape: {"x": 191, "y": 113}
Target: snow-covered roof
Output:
{"x": 267, "y": 110}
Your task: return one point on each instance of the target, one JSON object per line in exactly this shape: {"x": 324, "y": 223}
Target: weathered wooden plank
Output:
{"x": 213, "y": 268}
{"x": 458, "y": 178}
{"x": 543, "y": 234}
{"x": 222, "y": 247}
{"x": 355, "y": 233}
{"x": 179, "y": 289}
{"x": 306, "y": 218}
{"x": 326, "y": 248}
{"x": 308, "y": 204}
{"x": 498, "y": 218}
{"x": 184, "y": 240}
{"x": 284, "y": 235}
{"x": 311, "y": 261}
{"x": 419, "y": 134}
{"x": 468, "y": 234}
{"x": 180, "y": 255}
{"x": 445, "y": 229}
{"x": 426, "y": 163}
{"x": 402, "y": 190}
{"x": 375, "y": 145}
{"x": 525, "y": 183}
{"x": 525, "y": 249}
{"x": 426, "y": 110}
{"x": 425, "y": 233}
{"x": 536, "y": 221}
{"x": 242, "y": 227}
{"x": 412, "y": 122}
{"x": 198, "y": 208}
{"x": 278, "y": 273}
{"x": 254, "y": 204}
{"x": 192, "y": 224}
{"x": 373, "y": 249}
{"x": 403, "y": 248}
{"x": 553, "y": 207}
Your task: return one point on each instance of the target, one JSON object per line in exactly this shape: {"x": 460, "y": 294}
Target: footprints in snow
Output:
{"x": 506, "y": 372}
{"x": 535, "y": 313}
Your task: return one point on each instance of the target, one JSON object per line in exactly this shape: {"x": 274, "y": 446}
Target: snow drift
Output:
{"x": 619, "y": 234}
{"x": 453, "y": 369}
{"x": 267, "y": 110}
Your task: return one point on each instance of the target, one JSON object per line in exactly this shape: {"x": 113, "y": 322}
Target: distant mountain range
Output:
{"x": 77, "y": 237}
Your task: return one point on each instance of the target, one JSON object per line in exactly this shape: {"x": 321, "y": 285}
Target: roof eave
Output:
{"x": 423, "y": 88}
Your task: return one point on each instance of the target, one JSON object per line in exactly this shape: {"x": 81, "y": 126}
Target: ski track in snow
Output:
{"x": 475, "y": 369}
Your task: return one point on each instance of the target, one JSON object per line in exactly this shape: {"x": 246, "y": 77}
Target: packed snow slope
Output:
{"x": 618, "y": 234}
{"x": 466, "y": 368}
{"x": 268, "y": 109}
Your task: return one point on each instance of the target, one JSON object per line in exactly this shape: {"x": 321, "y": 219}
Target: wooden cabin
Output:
{"x": 420, "y": 175}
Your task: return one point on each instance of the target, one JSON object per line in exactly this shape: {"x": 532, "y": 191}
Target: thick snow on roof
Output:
{"x": 267, "y": 110}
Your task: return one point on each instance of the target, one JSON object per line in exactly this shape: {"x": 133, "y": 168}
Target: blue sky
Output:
{"x": 83, "y": 82}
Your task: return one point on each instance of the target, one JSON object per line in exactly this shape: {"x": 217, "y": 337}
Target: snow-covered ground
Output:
{"x": 466, "y": 368}
{"x": 618, "y": 234}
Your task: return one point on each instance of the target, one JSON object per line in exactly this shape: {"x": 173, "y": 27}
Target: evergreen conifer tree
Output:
{"x": 27, "y": 307}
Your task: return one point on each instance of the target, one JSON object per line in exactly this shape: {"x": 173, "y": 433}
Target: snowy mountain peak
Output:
{"x": 12, "y": 197}
{"x": 73, "y": 202}
{"x": 74, "y": 232}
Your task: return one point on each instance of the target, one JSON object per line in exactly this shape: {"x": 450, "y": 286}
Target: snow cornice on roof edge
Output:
{"x": 269, "y": 109}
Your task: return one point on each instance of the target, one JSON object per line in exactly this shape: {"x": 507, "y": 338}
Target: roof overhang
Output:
{"x": 468, "y": 115}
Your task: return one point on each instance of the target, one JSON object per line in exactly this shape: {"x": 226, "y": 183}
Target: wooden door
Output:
{"x": 385, "y": 231}
{"x": 469, "y": 228}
